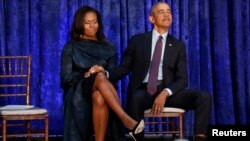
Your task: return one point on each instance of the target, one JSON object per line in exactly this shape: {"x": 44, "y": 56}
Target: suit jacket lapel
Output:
{"x": 167, "y": 54}
{"x": 147, "y": 49}
{"x": 168, "y": 46}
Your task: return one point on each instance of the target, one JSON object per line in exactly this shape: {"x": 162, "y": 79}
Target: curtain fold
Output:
{"x": 216, "y": 33}
{"x": 222, "y": 63}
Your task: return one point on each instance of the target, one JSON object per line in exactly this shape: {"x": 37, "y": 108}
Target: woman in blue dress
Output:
{"x": 89, "y": 98}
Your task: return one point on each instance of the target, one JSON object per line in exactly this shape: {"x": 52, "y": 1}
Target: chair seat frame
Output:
{"x": 171, "y": 116}
{"x": 6, "y": 118}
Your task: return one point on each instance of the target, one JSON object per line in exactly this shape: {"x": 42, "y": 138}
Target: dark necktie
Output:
{"x": 153, "y": 72}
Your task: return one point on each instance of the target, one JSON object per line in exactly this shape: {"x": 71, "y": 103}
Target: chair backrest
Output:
{"x": 15, "y": 78}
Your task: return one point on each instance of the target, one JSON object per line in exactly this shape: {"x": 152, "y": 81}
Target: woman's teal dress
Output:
{"x": 76, "y": 59}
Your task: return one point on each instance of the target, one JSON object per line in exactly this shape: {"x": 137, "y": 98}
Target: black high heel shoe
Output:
{"x": 137, "y": 130}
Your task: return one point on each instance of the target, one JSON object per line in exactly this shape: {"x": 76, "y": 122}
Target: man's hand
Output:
{"x": 159, "y": 103}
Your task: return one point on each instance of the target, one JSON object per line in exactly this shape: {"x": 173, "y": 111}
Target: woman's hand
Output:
{"x": 94, "y": 69}
{"x": 86, "y": 74}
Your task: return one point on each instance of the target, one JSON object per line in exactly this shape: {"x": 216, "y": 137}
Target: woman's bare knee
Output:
{"x": 101, "y": 80}
{"x": 100, "y": 77}
{"x": 97, "y": 99}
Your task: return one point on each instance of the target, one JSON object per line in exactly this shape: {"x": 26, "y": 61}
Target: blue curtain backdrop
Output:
{"x": 216, "y": 32}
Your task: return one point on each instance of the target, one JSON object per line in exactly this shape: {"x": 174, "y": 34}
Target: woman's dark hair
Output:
{"x": 78, "y": 21}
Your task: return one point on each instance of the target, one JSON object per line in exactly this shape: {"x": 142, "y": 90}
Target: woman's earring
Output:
{"x": 81, "y": 36}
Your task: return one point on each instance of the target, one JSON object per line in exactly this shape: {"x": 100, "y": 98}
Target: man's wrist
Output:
{"x": 169, "y": 92}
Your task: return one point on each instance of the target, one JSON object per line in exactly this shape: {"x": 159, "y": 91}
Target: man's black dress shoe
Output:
{"x": 137, "y": 130}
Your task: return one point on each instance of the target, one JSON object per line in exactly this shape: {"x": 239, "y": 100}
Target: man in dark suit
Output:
{"x": 172, "y": 73}
{"x": 171, "y": 78}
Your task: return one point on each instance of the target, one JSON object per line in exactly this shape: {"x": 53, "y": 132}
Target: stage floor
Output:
{"x": 147, "y": 138}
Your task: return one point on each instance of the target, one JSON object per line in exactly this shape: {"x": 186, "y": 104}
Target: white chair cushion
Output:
{"x": 168, "y": 109}
{"x": 22, "y": 111}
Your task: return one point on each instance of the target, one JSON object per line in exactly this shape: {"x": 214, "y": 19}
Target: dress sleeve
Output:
{"x": 67, "y": 74}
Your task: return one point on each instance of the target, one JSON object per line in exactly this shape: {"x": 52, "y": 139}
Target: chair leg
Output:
{"x": 46, "y": 128}
{"x": 28, "y": 130}
{"x": 4, "y": 129}
{"x": 181, "y": 126}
